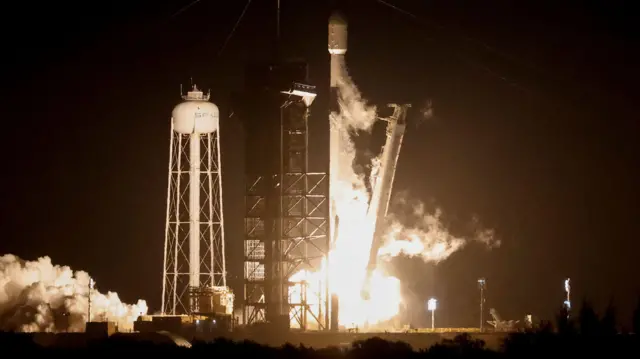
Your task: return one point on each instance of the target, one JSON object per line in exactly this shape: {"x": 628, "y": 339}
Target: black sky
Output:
{"x": 535, "y": 131}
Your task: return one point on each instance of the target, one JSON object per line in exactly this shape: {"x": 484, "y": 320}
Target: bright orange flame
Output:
{"x": 350, "y": 255}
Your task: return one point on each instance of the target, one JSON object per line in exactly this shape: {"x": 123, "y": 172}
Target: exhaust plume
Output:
{"x": 355, "y": 113}
{"x": 424, "y": 236}
{"x": 38, "y": 296}
{"x": 420, "y": 233}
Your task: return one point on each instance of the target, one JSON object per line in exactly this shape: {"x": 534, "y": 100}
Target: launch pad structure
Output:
{"x": 290, "y": 223}
{"x": 290, "y": 219}
{"x": 286, "y": 207}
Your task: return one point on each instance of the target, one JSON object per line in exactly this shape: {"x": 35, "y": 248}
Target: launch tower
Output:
{"x": 194, "y": 260}
{"x": 286, "y": 218}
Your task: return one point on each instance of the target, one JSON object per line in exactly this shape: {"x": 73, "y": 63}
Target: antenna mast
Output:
{"x": 278, "y": 20}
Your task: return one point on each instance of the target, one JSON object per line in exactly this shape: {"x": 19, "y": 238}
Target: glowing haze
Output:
{"x": 40, "y": 296}
{"x": 426, "y": 237}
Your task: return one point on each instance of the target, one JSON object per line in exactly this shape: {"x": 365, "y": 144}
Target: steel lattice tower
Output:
{"x": 286, "y": 218}
{"x": 194, "y": 248}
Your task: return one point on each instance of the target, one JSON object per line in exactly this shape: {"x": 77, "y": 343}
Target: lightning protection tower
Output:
{"x": 194, "y": 259}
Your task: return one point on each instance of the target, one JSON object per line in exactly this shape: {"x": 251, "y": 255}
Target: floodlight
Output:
{"x": 432, "y": 304}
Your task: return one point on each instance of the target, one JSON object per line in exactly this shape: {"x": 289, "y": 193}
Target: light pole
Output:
{"x": 91, "y": 285}
{"x": 481, "y": 283}
{"x": 431, "y": 306}
{"x": 567, "y": 289}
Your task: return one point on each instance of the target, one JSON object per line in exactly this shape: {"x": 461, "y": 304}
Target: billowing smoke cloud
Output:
{"x": 355, "y": 113}
{"x": 422, "y": 233}
{"x": 40, "y": 296}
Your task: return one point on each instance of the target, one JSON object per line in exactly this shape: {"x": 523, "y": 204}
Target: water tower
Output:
{"x": 194, "y": 259}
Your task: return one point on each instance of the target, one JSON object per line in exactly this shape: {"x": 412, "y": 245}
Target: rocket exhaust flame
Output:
{"x": 353, "y": 237}
{"x": 40, "y": 296}
{"x": 383, "y": 185}
{"x": 351, "y": 273}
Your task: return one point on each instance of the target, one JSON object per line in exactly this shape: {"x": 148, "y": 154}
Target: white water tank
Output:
{"x": 196, "y": 114}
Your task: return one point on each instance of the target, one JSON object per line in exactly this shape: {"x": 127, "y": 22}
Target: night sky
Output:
{"x": 535, "y": 131}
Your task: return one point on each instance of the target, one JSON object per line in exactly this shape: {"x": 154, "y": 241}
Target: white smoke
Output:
{"x": 355, "y": 113}
{"x": 427, "y": 236}
{"x": 421, "y": 233}
{"x": 40, "y": 296}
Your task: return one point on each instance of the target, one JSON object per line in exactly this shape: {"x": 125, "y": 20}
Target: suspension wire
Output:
{"x": 472, "y": 40}
{"x": 587, "y": 89}
{"x": 484, "y": 45}
{"x": 407, "y": 13}
{"x": 233, "y": 30}
{"x": 185, "y": 8}
{"x": 149, "y": 31}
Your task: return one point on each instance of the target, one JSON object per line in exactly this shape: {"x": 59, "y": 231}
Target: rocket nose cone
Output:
{"x": 337, "y": 18}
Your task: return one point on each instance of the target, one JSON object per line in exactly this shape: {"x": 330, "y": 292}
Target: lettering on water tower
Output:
{"x": 204, "y": 115}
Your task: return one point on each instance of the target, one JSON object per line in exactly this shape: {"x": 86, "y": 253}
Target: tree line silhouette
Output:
{"x": 571, "y": 335}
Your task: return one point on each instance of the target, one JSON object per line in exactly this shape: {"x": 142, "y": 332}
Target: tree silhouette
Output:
{"x": 563, "y": 323}
{"x": 636, "y": 318}
{"x": 463, "y": 345}
{"x": 608, "y": 324}
{"x": 378, "y": 347}
{"x": 588, "y": 319}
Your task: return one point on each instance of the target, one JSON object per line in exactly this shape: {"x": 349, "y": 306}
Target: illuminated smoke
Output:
{"x": 350, "y": 255}
{"x": 39, "y": 296}
{"x": 425, "y": 236}
{"x": 421, "y": 233}
{"x": 355, "y": 113}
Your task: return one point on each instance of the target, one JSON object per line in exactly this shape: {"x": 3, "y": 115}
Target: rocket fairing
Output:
{"x": 337, "y": 44}
{"x": 337, "y": 48}
{"x": 337, "y": 34}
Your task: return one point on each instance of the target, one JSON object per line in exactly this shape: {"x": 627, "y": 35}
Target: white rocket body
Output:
{"x": 337, "y": 49}
{"x": 337, "y": 44}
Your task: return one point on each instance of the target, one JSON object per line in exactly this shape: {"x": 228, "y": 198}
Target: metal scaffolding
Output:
{"x": 286, "y": 218}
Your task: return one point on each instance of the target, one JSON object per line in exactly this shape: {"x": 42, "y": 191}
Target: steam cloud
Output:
{"x": 355, "y": 113}
{"x": 420, "y": 234}
{"x": 39, "y": 296}
{"x": 427, "y": 236}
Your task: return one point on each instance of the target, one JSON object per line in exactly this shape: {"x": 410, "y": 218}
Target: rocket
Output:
{"x": 337, "y": 50}
{"x": 337, "y": 44}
